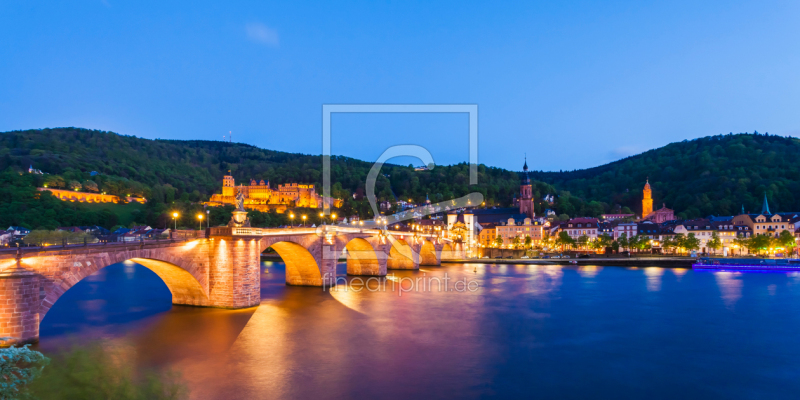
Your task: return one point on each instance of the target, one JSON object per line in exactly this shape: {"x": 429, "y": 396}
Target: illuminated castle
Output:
{"x": 259, "y": 195}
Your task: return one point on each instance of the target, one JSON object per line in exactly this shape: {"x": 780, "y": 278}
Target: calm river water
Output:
{"x": 525, "y": 331}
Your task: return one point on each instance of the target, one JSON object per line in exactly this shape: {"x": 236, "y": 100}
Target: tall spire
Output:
{"x": 765, "y": 206}
{"x": 526, "y": 180}
{"x": 743, "y": 209}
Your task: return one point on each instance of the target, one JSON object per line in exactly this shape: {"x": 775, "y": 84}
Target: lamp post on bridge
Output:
{"x": 291, "y": 220}
{"x": 175, "y": 217}
{"x": 200, "y": 219}
{"x": 304, "y": 221}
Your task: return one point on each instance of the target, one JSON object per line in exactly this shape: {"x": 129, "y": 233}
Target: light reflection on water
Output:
{"x": 552, "y": 331}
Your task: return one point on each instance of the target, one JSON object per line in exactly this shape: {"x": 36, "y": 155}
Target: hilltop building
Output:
{"x": 259, "y": 195}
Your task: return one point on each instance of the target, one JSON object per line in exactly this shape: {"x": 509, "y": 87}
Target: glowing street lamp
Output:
{"x": 175, "y": 217}
{"x": 304, "y": 221}
{"x": 200, "y": 221}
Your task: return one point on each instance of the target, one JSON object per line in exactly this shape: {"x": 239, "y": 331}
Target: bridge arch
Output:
{"x": 181, "y": 276}
{"x": 447, "y": 252}
{"x": 401, "y": 256}
{"x": 427, "y": 254}
{"x": 362, "y": 258}
{"x": 302, "y": 268}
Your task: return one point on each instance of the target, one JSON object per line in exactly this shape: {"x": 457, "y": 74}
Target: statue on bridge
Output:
{"x": 239, "y": 218}
{"x": 240, "y": 200}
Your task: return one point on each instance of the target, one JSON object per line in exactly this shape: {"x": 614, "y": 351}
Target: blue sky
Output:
{"x": 572, "y": 84}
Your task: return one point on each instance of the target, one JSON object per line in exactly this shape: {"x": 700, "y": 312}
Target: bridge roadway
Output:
{"x": 222, "y": 270}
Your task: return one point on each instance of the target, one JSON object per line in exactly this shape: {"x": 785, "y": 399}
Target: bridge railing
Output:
{"x": 99, "y": 244}
{"x": 323, "y": 230}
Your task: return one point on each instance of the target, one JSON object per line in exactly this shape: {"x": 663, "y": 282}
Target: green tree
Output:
{"x": 741, "y": 242}
{"x": 515, "y": 242}
{"x": 498, "y": 241}
{"x": 528, "y": 242}
{"x": 641, "y": 242}
{"x": 19, "y": 366}
{"x": 582, "y": 241}
{"x": 787, "y": 241}
{"x": 668, "y": 243}
{"x": 623, "y": 241}
{"x": 54, "y": 181}
{"x": 564, "y": 240}
{"x": 680, "y": 241}
{"x": 714, "y": 243}
{"x": 90, "y": 186}
{"x": 74, "y": 185}
{"x": 691, "y": 242}
{"x": 760, "y": 244}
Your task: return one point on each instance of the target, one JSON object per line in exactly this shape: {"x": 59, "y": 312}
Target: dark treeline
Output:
{"x": 712, "y": 175}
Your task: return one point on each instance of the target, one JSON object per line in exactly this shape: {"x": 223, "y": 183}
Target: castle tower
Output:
{"x": 228, "y": 185}
{"x": 526, "y": 193}
{"x": 765, "y": 206}
{"x": 647, "y": 200}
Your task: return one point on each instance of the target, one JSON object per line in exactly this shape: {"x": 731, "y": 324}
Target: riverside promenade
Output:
{"x": 668, "y": 262}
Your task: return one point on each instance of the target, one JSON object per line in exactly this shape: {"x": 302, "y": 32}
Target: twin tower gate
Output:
{"x": 220, "y": 271}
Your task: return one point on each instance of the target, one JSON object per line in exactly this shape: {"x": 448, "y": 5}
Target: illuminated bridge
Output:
{"x": 222, "y": 270}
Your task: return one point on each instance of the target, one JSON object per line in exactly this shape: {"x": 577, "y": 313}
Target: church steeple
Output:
{"x": 526, "y": 180}
{"x": 647, "y": 200}
{"x": 765, "y": 206}
{"x": 526, "y": 192}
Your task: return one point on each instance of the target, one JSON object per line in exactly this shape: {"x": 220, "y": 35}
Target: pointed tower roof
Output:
{"x": 765, "y": 206}
{"x": 743, "y": 209}
{"x": 526, "y": 180}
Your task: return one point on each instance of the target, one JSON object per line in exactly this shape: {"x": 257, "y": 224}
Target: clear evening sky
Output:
{"x": 572, "y": 84}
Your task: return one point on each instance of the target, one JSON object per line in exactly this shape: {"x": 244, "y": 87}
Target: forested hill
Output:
{"x": 711, "y": 175}
{"x": 192, "y": 170}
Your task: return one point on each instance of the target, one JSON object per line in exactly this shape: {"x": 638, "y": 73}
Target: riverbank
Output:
{"x": 668, "y": 262}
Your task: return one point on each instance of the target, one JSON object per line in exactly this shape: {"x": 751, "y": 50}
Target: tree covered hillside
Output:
{"x": 167, "y": 172}
{"x": 711, "y": 175}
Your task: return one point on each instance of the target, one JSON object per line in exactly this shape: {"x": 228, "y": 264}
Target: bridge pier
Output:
{"x": 219, "y": 272}
{"x": 19, "y": 305}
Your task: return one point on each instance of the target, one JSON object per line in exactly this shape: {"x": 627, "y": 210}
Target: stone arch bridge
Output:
{"x": 222, "y": 270}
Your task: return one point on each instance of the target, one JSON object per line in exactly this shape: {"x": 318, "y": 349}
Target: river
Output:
{"x": 509, "y": 331}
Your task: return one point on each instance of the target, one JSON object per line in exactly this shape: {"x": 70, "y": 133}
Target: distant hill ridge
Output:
{"x": 710, "y": 175}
